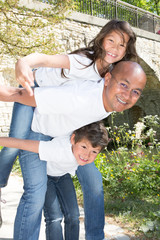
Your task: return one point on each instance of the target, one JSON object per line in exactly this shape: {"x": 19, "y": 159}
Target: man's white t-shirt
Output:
{"x": 60, "y": 110}
{"x": 59, "y": 156}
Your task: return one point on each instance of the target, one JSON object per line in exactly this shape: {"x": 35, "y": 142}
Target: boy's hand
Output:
{"x": 24, "y": 75}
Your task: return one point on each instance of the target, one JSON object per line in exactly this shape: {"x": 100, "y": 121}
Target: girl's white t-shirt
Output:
{"x": 78, "y": 71}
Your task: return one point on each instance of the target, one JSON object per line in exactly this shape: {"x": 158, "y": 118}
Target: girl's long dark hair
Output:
{"x": 95, "y": 49}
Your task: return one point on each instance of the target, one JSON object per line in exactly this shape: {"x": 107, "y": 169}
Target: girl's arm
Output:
{"x": 28, "y": 145}
{"x": 20, "y": 95}
{"x": 23, "y": 67}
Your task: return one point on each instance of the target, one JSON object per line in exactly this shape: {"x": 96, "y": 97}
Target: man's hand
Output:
{"x": 24, "y": 75}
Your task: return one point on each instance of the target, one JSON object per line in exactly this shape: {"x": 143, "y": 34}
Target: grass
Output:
{"x": 137, "y": 214}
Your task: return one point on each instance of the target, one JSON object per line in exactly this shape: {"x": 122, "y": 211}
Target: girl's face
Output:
{"x": 115, "y": 45}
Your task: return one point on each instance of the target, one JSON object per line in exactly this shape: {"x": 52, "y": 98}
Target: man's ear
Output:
{"x": 72, "y": 139}
{"x": 107, "y": 78}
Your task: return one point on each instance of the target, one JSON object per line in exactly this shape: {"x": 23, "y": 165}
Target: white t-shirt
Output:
{"x": 78, "y": 71}
{"x": 60, "y": 110}
{"x": 59, "y": 156}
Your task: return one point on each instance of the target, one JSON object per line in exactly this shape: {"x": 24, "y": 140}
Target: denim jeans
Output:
{"x": 88, "y": 175}
{"x": 61, "y": 200}
{"x": 29, "y": 212}
{"x": 91, "y": 181}
{"x": 20, "y": 127}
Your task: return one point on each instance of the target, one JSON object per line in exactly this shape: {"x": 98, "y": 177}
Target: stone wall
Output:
{"x": 77, "y": 30}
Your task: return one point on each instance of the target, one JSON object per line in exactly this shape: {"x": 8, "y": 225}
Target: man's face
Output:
{"x": 122, "y": 90}
{"x": 83, "y": 151}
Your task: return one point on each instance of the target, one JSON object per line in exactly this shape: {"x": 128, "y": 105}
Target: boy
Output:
{"x": 63, "y": 155}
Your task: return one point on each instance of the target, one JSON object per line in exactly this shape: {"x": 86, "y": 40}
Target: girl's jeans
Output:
{"x": 19, "y": 128}
{"x": 27, "y": 223}
{"x": 61, "y": 201}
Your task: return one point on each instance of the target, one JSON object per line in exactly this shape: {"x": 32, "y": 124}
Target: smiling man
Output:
{"x": 62, "y": 109}
{"x": 84, "y": 101}
{"x": 123, "y": 86}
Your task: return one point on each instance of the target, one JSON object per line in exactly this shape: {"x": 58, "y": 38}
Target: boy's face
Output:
{"x": 83, "y": 151}
{"x": 122, "y": 89}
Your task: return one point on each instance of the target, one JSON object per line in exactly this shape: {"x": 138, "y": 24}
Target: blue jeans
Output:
{"x": 91, "y": 182}
{"x": 20, "y": 127}
{"x": 89, "y": 177}
{"x": 61, "y": 200}
{"x": 29, "y": 212}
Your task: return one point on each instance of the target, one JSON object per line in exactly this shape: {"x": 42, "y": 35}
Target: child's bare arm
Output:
{"x": 28, "y": 145}
{"x": 12, "y": 94}
{"x": 23, "y": 67}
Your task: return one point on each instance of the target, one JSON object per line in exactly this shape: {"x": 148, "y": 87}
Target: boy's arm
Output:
{"x": 23, "y": 67}
{"x": 28, "y": 145}
{"x": 20, "y": 95}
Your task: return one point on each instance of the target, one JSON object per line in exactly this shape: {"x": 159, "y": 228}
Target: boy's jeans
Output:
{"x": 88, "y": 175}
{"x": 61, "y": 201}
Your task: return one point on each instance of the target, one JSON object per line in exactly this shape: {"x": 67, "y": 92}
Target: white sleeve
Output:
{"x": 52, "y": 76}
{"x": 50, "y": 150}
{"x": 55, "y": 100}
{"x": 49, "y": 76}
{"x": 80, "y": 69}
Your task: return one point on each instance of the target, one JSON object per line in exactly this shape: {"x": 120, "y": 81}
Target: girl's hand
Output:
{"x": 24, "y": 75}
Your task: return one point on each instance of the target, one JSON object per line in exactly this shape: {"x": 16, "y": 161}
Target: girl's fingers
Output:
{"x": 27, "y": 86}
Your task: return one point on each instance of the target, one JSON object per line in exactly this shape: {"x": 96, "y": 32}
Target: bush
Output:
{"x": 131, "y": 174}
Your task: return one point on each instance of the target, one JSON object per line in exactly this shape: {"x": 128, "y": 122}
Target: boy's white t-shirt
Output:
{"x": 59, "y": 156}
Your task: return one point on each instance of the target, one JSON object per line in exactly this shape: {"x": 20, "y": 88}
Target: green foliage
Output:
{"x": 148, "y": 128}
{"x": 133, "y": 167}
{"x": 131, "y": 175}
{"x": 23, "y": 30}
{"x": 151, "y": 5}
{"x": 16, "y": 167}
{"x": 93, "y": 6}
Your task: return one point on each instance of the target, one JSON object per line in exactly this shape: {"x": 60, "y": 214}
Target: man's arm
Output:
{"x": 28, "y": 145}
{"x": 23, "y": 67}
{"x": 20, "y": 95}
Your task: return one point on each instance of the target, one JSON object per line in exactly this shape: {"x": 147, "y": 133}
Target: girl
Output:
{"x": 116, "y": 41}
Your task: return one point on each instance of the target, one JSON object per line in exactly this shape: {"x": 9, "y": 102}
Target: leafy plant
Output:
{"x": 22, "y": 27}
{"x": 131, "y": 175}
